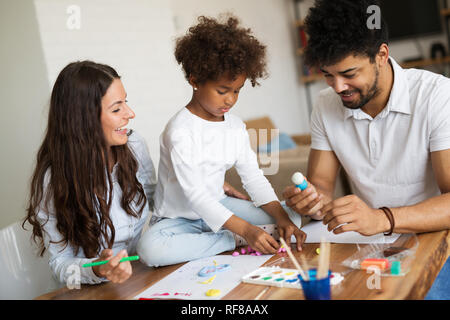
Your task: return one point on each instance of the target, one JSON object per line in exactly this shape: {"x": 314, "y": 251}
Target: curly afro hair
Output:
{"x": 212, "y": 49}
{"x": 338, "y": 28}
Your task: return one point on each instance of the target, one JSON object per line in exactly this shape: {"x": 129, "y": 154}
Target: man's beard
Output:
{"x": 371, "y": 93}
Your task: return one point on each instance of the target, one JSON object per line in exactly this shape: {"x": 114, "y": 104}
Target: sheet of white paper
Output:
{"x": 184, "y": 283}
{"x": 315, "y": 230}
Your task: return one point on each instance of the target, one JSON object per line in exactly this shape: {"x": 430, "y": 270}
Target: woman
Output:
{"x": 94, "y": 180}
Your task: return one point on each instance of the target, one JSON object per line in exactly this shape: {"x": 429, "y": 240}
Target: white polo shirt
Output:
{"x": 387, "y": 158}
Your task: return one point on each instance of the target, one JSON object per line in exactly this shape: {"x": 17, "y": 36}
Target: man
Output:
{"x": 387, "y": 127}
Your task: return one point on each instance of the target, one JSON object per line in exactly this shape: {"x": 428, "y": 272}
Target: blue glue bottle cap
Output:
{"x": 299, "y": 180}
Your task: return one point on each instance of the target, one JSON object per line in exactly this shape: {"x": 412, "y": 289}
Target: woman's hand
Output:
{"x": 115, "y": 271}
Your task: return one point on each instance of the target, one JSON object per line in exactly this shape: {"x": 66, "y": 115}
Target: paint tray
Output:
{"x": 282, "y": 273}
{"x": 274, "y": 276}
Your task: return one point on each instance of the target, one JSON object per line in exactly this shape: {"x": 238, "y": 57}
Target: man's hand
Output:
{"x": 307, "y": 202}
{"x": 350, "y": 213}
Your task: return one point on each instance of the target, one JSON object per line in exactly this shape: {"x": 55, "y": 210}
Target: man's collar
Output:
{"x": 398, "y": 99}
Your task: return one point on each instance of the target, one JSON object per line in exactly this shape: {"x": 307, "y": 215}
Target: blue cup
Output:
{"x": 314, "y": 289}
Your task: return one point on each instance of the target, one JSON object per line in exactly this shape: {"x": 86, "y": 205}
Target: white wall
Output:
{"x": 134, "y": 37}
{"x": 137, "y": 38}
{"x": 281, "y": 96}
{"x": 24, "y": 94}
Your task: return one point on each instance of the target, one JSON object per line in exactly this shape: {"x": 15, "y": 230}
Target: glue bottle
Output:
{"x": 299, "y": 180}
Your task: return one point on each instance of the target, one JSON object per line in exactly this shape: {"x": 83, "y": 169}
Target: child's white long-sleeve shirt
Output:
{"x": 194, "y": 156}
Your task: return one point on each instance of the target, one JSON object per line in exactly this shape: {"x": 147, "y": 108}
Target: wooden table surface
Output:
{"x": 430, "y": 256}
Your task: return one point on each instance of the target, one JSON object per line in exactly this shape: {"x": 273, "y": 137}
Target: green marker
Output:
{"x": 99, "y": 263}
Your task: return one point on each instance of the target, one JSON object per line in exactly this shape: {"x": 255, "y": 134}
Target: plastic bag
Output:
{"x": 399, "y": 256}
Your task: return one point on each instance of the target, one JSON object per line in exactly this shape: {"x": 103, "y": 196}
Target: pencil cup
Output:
{"x": 314, "y": 289}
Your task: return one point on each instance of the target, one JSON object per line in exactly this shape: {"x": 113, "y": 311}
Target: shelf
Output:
{"x": 299, "y": 23}
{"x": 445, "y": 12}
{"x": 312, "y": 78}
{"x": 413, "y": 64}
{"x": 425, "y": 62}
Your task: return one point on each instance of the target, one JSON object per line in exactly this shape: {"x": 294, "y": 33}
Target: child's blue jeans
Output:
{"x": 171, "y": 241}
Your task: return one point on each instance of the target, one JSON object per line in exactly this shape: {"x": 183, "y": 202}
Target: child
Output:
{"x": 94, "y": 179}
{"x": 193, "y": 217}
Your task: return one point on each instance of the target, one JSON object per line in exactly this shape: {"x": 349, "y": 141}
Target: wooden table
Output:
{"x": 430, "y": 256}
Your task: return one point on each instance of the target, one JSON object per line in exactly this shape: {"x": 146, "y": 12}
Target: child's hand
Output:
{"x": 115, "y": 271}
{"x": 232, "y": 192}
{"x": 286, "y": 229}
{"x": 260, "y": 240}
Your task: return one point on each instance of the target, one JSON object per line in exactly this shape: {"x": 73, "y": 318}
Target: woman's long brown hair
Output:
{"x": 74, "y": 155}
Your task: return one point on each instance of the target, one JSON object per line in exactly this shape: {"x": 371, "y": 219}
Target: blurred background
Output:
{"x": 136, "y": 37}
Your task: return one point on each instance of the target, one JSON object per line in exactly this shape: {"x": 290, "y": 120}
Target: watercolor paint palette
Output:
{"x": 281, "y": 277}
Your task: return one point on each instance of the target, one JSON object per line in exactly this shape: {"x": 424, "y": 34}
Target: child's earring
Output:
{"x": 195, "y": 88}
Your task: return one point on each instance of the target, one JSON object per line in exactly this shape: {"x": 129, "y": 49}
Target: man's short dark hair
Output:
{"x": 338, "y": 28}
